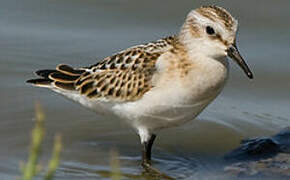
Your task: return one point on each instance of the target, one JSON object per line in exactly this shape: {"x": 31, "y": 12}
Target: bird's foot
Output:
{"x": 153, "y": 172}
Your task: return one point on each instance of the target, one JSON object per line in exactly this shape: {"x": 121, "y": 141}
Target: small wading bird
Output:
{"x": 157, "y": 85}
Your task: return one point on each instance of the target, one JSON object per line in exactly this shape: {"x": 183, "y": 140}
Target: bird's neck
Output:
{"x": 198, "y": 53}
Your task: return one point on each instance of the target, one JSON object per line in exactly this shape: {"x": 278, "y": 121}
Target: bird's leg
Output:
{"x": 147, "y": 144}
{"x": 146, "y": 151}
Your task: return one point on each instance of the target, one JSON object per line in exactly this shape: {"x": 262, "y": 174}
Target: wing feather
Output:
{"x": 125, "y": 76}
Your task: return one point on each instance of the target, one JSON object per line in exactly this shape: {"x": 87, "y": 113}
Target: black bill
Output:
{"x": 234, "y": 54}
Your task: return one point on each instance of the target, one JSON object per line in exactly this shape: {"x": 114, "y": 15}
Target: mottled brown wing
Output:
{"x": 125, "y": 76}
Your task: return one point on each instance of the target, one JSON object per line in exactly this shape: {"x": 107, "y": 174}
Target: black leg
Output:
{"x": 146, "y": 160}
{"x": 146, "y": 151}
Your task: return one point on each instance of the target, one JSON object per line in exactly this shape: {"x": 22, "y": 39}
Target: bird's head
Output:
{"x": 211, "y": 31}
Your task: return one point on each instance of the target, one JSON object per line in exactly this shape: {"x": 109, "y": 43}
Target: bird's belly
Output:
{"x": 166, "y": 116}
{"x": 157, "y": 112}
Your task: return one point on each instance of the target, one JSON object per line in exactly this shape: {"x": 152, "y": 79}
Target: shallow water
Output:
{"x": 40, "y": 34}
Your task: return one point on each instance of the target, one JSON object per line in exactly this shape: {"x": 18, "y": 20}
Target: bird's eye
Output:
{"x": 210, "y": 30}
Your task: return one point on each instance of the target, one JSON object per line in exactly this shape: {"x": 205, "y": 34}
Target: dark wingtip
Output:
{"x": 39, "y": 81}
{"x": 45, "y": 72}
{"x": 68, "y": 70}
{"x": 30, "y": 81}
{"x": 59, "y": 76}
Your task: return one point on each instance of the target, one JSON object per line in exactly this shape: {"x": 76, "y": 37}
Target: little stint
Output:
{"x": 157, "y": 85}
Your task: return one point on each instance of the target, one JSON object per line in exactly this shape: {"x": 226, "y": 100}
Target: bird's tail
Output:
{"x": 63, "y": 77}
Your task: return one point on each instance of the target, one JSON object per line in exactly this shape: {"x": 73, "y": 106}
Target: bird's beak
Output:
{"x": 234, "y": 54}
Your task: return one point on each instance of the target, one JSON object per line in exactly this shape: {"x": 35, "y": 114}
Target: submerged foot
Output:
{"x": 153, "y": 172}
